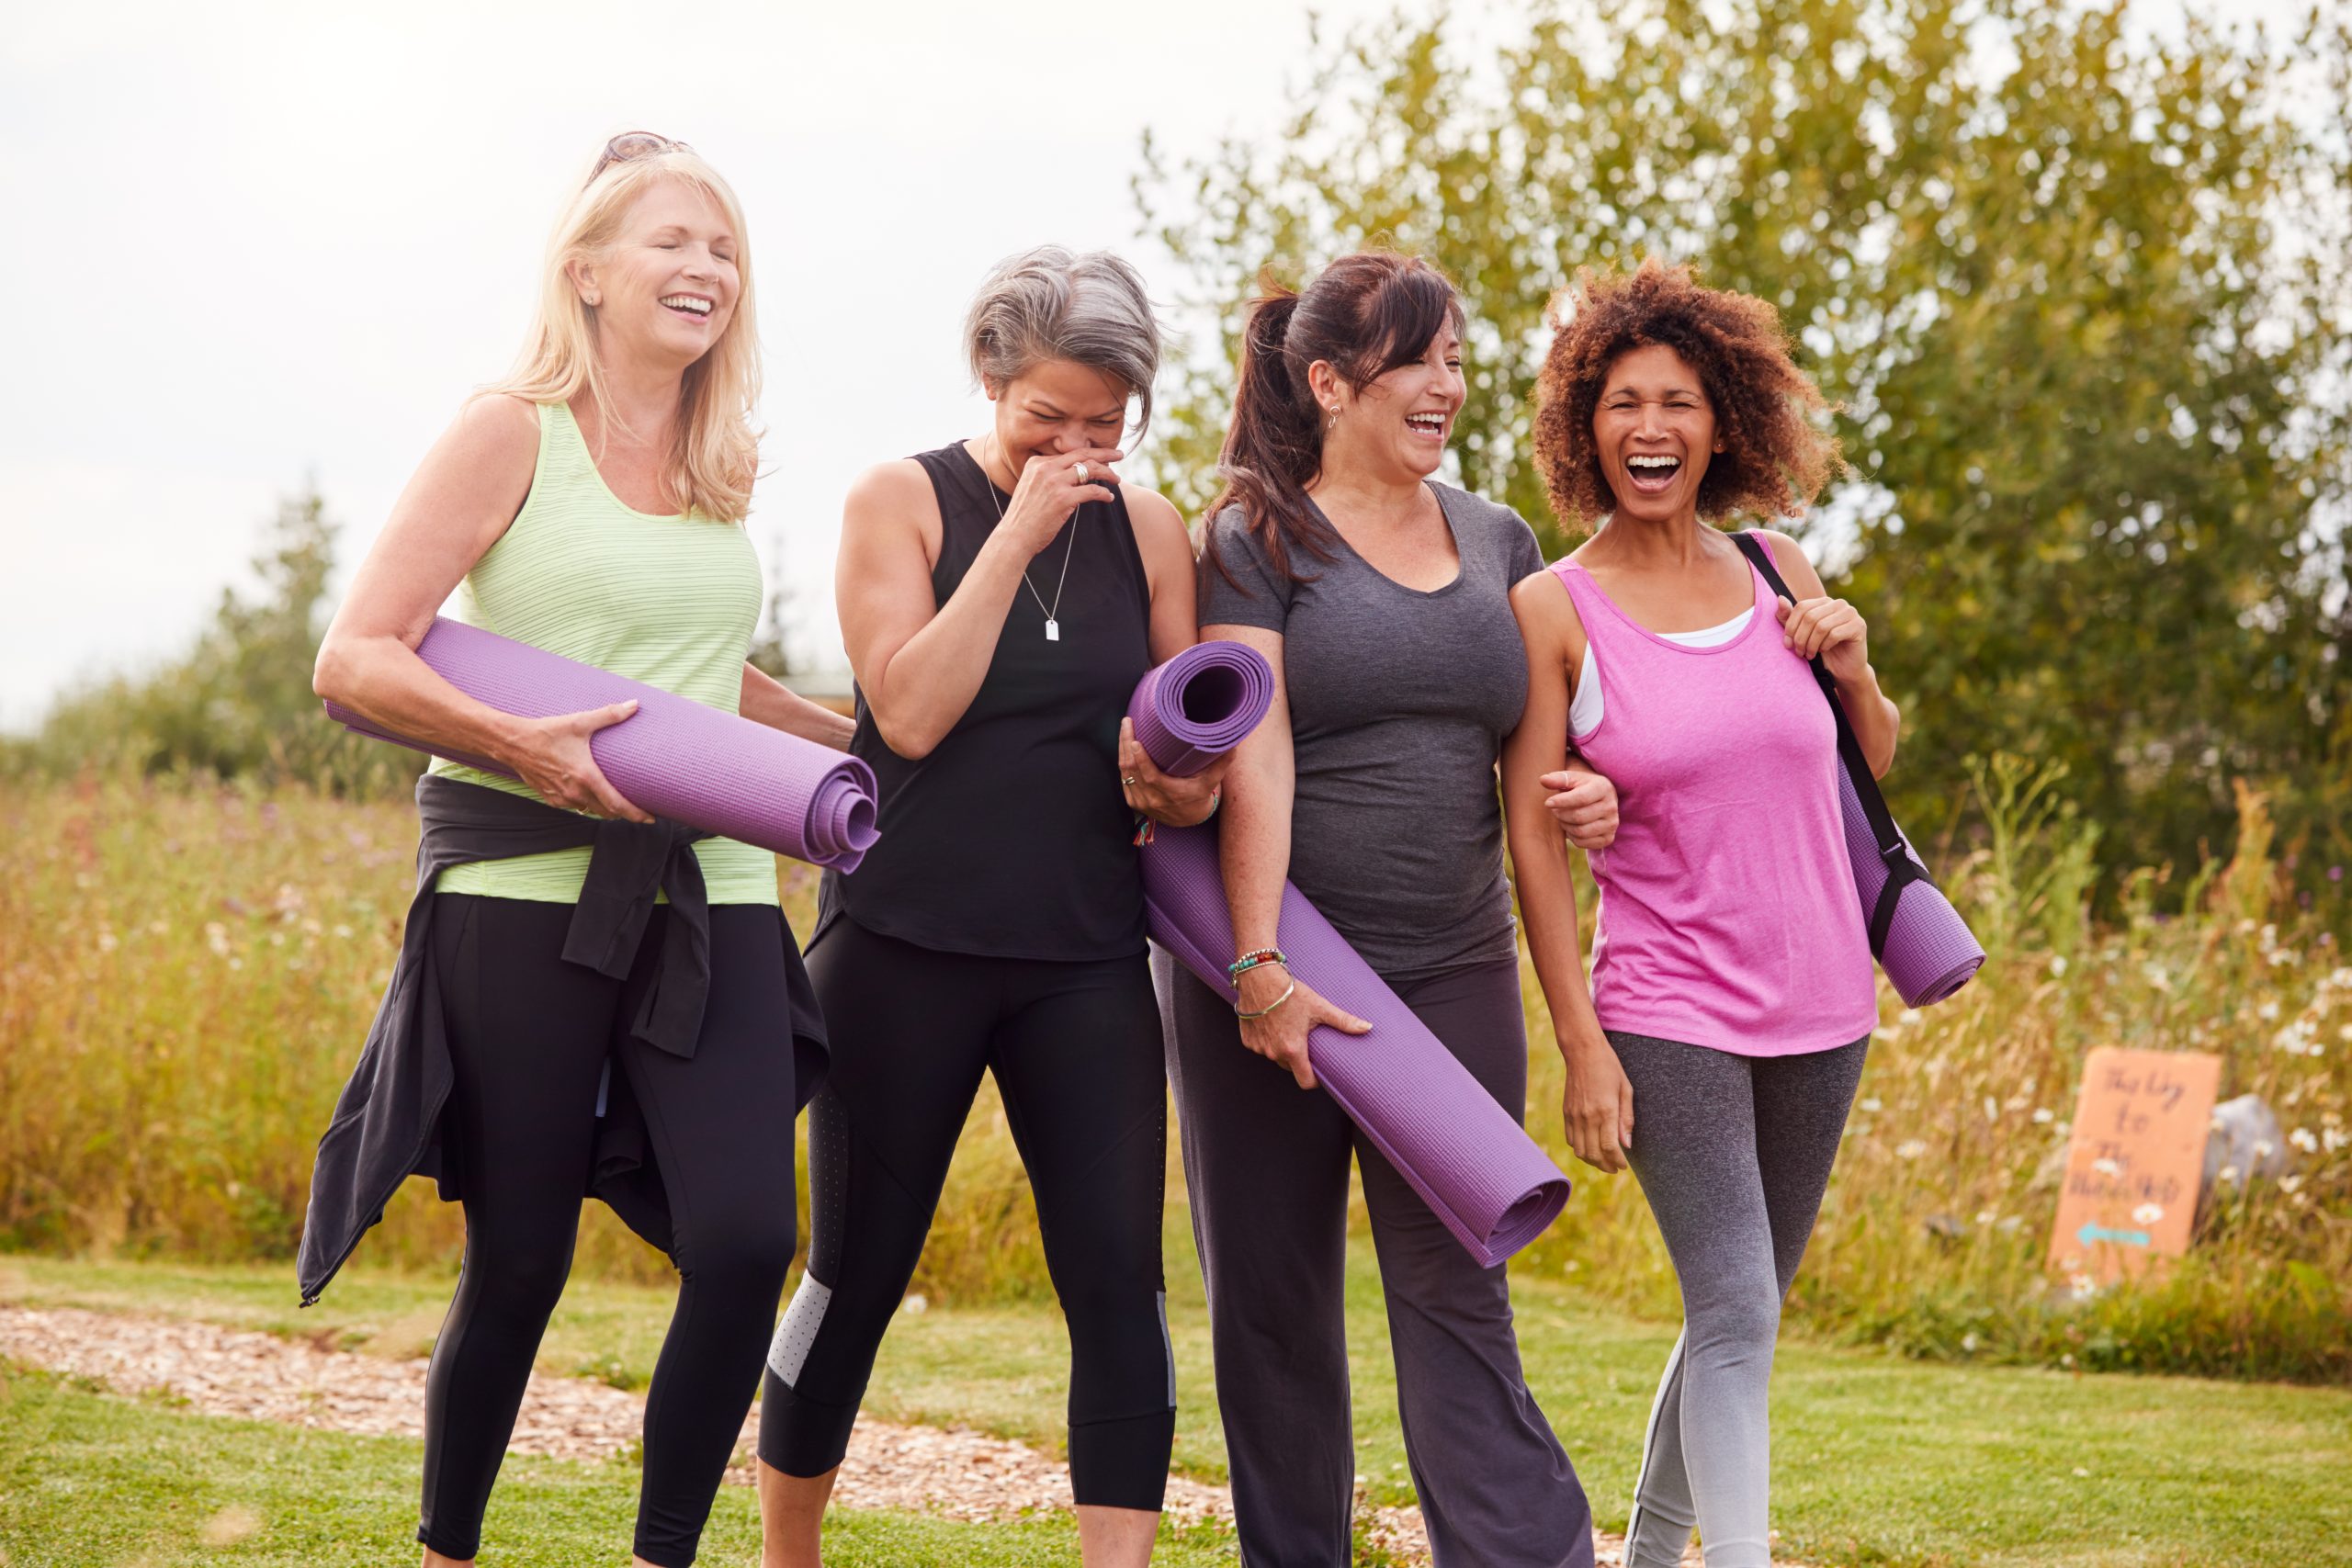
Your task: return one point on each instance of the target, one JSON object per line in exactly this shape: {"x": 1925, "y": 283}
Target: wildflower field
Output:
{"x": 187, "y": 971}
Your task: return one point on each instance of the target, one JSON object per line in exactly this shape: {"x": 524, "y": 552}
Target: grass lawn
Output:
{"x": 1877, "y": 1460}
{"x": 87, "y": 1480}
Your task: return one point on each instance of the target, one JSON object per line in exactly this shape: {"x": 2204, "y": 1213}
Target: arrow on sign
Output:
{"x": 2091, "y": 1233}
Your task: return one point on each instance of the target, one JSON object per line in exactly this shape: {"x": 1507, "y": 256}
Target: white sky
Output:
{"x": 253, "y": 243}
{"x": 256, "y": 242}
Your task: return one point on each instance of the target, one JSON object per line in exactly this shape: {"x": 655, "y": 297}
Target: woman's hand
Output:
{"x": 1170, "y": 801}
{"x": 1280, "y": 1035}
{"x": 1050, "y": 489}
{"x": 553, "y": 757}
{"x": 1597, "y": 1107}
{"x": 1831, "y": 630}
{"x": 1814, "y": 622}
{"x": 1584, "y": 804}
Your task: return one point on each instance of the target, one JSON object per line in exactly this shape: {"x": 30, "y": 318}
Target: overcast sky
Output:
{"x": 260, "y": 242}
{"x": 256, "y": 244}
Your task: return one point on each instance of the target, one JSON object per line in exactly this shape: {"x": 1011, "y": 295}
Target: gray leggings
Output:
{"x": 1734, "y": 1153}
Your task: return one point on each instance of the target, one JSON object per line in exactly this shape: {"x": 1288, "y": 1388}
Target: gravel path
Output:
{"x": 225, "y": 1372}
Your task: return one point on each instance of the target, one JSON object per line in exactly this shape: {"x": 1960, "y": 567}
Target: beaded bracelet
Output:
{"x": 1288, "y": 992}
{"x": 1144, "y": 825}
{"x": 1257, "y": 957}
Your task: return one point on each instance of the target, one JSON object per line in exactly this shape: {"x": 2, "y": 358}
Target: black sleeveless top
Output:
{"x": 1012, "y": 839}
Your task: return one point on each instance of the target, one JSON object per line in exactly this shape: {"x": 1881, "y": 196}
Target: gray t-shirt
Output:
{"x": 1400, "y": 701}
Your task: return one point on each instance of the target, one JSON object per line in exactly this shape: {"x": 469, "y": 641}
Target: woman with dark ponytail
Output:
{"x": 1383, "y": 600}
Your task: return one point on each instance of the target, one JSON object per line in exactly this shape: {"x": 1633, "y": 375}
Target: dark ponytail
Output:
{"x": 1367, "y": 315}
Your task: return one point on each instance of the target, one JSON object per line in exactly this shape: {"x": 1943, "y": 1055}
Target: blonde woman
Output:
{"x": 591, "y": 504}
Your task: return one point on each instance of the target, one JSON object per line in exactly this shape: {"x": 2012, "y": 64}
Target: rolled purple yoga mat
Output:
{"x": 1200, "y": 704}
{"x": 1469, "y": 1158}
{"x": 675, "y": 757}
{"x": 1929, "y": 950}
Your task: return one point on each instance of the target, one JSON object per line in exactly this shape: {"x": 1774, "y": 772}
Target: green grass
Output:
{"x": 1878, "y": 1460}
{"x": 87, "y": 1480}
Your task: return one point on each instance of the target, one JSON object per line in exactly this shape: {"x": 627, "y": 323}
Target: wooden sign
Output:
{"x": 2132, "y": 1168}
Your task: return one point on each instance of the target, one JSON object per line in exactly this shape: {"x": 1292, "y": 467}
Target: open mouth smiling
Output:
{"x": 1426, "y": 424}
{"x": 1652, "y": 472}
{"x": 693, "y": 306}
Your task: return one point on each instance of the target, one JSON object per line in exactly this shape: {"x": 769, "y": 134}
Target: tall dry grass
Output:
{"x": 1934, "y": 1234}
{"x": 187, "y": 973}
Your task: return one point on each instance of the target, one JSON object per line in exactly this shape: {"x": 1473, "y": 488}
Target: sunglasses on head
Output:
{"x": 630, "y": 144}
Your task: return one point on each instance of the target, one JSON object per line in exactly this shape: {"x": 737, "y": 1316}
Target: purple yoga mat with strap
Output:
{"x": 1469, "y": 1158}
{"x": 1927, "y": 951}
{"x": 675, "y": 757}
{"x": 1920, "y": 942}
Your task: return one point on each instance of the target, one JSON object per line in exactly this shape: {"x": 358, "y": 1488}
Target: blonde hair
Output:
{"x": 716, "y": 451}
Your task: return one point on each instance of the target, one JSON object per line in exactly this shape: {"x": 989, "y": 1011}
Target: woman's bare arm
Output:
{"x": 921, "y": 662}
{"x": 460, "y": 503}
{"x": 769, "y": 701}
{"x": 1169, "y": 576}
{"x": 1253, "y": 852}
{"x": 1597, "y": 1108}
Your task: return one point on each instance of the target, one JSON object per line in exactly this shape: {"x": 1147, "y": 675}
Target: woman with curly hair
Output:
{"x": 1732, "y": 996}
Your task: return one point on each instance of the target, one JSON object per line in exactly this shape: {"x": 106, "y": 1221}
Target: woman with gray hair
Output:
{"x": 999, "y": 597}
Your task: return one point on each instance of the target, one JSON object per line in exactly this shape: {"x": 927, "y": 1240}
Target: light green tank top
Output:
{"x": 669, "y": 600}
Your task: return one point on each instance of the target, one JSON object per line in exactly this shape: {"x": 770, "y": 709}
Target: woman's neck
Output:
{"x": 644, "y": 402}
{"x": 1671, "y": 545}
{"x": 1362, "y": 496}
{"x": 988, "y": 451}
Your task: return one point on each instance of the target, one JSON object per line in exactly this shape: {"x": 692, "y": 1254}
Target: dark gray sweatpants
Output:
{"x": 1267, "y": 1166}
{"x": 1734, "y": 1153}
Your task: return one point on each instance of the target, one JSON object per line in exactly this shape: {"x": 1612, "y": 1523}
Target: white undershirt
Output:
{"x": 1584, "y": 708}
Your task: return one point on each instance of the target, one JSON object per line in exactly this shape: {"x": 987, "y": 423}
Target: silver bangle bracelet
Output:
{"x": 1288, "y": 992}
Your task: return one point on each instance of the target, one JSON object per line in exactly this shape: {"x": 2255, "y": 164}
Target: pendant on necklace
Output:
{"x": 1053, "y": 629}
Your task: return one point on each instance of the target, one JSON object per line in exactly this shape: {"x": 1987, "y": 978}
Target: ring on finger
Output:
{"x": 1080, "y": 472}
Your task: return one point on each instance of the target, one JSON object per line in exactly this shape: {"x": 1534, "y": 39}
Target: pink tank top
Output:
{"x": 1728, "y": 917}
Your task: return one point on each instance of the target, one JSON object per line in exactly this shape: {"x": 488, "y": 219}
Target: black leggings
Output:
{"x": 1075, "y": 1048}
{"x": 530, "y": 1035}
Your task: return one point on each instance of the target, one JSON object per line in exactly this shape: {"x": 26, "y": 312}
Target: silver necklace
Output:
{"x": 1053, "y": 624}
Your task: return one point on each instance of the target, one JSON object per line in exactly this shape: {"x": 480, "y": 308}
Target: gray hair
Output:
{"x": 1048, "y": 303}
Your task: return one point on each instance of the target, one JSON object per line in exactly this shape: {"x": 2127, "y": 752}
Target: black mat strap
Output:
{"x": 1901, "y": 869}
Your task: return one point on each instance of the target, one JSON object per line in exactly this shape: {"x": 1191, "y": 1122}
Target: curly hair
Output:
{"x": 1774, "y": 460}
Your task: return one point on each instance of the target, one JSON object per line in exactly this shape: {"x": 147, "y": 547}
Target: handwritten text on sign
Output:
{"x": 2132, "y": 1168}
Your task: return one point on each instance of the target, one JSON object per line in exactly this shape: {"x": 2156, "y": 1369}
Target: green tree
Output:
{"x": 769, "y": 654}
{"x": 2078, "y": 287}
{"x": 238, "y": 705}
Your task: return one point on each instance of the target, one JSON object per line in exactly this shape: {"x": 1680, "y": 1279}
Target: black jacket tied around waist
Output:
{"x": 387, "y": 1123}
